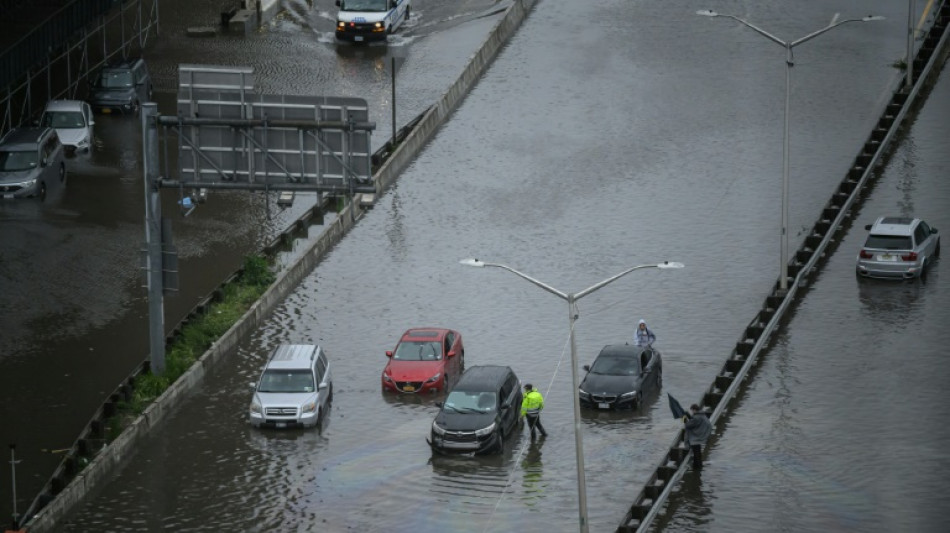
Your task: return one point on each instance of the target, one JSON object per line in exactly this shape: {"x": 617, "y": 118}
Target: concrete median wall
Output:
{"x": 111, "y": 458}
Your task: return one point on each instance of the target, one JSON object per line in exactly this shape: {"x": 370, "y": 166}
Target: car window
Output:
{"x": 115, "y": 79}
{"x": 418, "y": 351}
{"x": 888, "y": 242}
{"x": 63, "y": 119}
{"x": 927, "y": 230}
{"x": 470, "y": 402}
{"x": 615, "y": 366}
{"x": 49, "y": 147}
{"x": 275, "y": 380}
{"x": 20, "y": 160}
{"x": 321, "y": 369}
{"x": 920, "y": 235}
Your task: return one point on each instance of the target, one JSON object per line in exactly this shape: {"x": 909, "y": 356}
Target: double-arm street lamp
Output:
{"x": 572, "y": 315}
{"x": 789, "y": 62}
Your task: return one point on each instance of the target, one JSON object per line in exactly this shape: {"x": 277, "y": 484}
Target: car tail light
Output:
{"x": 912, "y": 256}
{"x": 866, "y": 254}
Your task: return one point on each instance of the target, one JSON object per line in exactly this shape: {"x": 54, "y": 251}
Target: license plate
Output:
{"x": 357, "y": 38}
{"x": 604, "y": 405}
{"x": 888, "y": 257}
{"x": 8, "y": 195}
{"x": 281, "y": 424}
{"x": 409, "y": 388}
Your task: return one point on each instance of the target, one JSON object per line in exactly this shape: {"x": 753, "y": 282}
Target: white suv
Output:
{"x": 898, "y": 247}
{"x": 294, "y": 388}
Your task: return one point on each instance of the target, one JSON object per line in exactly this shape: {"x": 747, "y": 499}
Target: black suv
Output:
{"x": 480, "y": 411}
{"x": 121, "y": 87}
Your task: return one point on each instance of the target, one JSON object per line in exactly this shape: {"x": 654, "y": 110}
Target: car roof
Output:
{"x": 23, "y": 138}
{"x": 122, "y": 64}
{"x": 482, "y": 378}
{"x": 621, "y": 350}
{"x": 289, "y": 356}
{"x": 423, "y": 334}
{"x": 64, "y": 105}
{"x": 901, "y": 226}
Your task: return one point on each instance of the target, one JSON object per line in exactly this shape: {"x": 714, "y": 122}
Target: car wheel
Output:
{"x": 937, "y": 250}
{"x": 42, "y": 192}
{"x": 136, "y": 108}
{"x": 330, "y": 394}
{"x": 62, "y": 173}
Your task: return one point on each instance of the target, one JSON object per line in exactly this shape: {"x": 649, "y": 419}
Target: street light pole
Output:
{"x": 572, "y": 316}
{"x": 789, "y": 62}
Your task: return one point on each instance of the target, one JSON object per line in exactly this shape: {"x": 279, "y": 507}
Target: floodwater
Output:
{"x": 73, "y": 318}
{"x": 839, "y": 429}
{"x": 574, "y": 158}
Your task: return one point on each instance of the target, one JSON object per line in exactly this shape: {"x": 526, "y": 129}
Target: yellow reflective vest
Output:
{"x": 532, "y": 403}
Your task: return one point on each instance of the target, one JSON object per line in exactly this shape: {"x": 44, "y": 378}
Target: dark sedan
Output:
{"x": 620, "y": 376}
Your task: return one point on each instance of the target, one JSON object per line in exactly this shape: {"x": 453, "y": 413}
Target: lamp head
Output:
{"x": 472, "y": 262}
{"x": 670, "y": 264}
{"x": 872, "y": 17}
{"x": 707, "y": 13}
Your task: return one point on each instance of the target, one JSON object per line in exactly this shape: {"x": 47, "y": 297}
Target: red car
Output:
{"x": 426, "y": 359}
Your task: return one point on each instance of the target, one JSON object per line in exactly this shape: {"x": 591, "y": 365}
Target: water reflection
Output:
{"x": 891, "y": 302}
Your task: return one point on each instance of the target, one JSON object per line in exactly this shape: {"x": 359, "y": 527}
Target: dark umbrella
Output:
{"x": 678, "y": 411}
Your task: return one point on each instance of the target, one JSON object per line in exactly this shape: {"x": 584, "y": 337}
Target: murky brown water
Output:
{"x": 571, "y": 160}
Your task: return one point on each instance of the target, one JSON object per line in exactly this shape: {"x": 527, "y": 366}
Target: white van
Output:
{"x": 370, "y": 20}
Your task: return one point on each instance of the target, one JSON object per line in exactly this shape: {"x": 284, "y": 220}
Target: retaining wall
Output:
{"x": 806, "y": 261}
{"x": 114, "y": 455}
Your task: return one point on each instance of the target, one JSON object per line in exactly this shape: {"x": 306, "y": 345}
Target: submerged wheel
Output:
{"x": 62, "y": 173}
{"x": 42, "y": 192}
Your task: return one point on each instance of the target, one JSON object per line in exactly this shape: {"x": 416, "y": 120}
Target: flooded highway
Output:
{"x": 571, "y": 160}
{"x": 839, "y": 430}
{"x": 73, "y": 320}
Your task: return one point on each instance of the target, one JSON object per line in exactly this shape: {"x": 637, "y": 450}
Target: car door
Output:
{"x": 924, "y": 234}
{"x": 648, "y": 369}
{"x": 451, "y": 363}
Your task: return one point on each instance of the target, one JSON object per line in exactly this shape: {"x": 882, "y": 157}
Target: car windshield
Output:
{"x": 888, "y": 242}
{"x": 63, "y": 119}
{"x": 364, "y": 5}
{"x": 615, "y": 366}
{"x": 115, "y": 79}
{"x": 418, "y": 351}
{"x": 275, "y": 380}
{"x": 470, "y": 402}
{"x": 12, "y": 161}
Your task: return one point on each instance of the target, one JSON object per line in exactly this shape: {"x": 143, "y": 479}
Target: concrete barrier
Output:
{"x": 118, "y": 452}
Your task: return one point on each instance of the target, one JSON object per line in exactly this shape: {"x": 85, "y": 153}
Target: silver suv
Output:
{"x": 31, "y": 161}
{"x": 294, "y": 388}
{"x": 898, "y": 248}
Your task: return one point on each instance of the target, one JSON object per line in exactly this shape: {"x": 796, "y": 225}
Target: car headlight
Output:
{"x": 485, "y": 431}
{"x": 628, "y": 395}
{"x": 308, "y": 407}
{"x": 255, "y": 407}
{"x": 437, "y": 429}
{"x": 83, "y": 142}
{"x": 340, "y": 25}
{"x": 434, "y": 378}
{"x": 583, "y": 393}
{"x": 378, "y": 25}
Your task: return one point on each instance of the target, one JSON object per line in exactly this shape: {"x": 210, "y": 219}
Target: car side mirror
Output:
{"x": 933, "y": 230}
{"x": 252, "y": 385}
{"x": 321, "y": 386}
{"x": 867, "y": 227}
{"x": 92, "y": 122}
{"x": 586, "y": 367}
{"x": 439, "y": 404}
{"x": 450, "y": 354}
{"x": 389, "y": 353}
{"x": 505, "y": 407}
{"x": 44, "y": 162}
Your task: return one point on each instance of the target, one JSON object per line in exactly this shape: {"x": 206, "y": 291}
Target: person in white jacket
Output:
{"x": 643, "y": 336}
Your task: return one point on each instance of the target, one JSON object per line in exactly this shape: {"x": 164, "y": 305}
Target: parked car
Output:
{"x": 425, "y": 359}
{"x": 620, "y": 376}
{"x": 73, "y": 122}
{"x": 481, "y": 410}
{"x": 121, "y": 87}
{"x": 31, "y": 161}
{"x": 370, "y": 20}
{"x": 294, "y": 388}
{"x": 898, "y": 248}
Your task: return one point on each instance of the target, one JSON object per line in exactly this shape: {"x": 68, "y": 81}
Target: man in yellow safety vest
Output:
{"x": 531, "y": 406}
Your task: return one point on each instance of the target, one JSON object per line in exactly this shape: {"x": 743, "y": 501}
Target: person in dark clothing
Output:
{"x": 698, "y": 429}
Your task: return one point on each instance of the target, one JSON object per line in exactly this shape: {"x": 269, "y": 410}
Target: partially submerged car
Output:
{"x": 31, "y": 162}
{"x": 294, "y": 388}
{"x": 620, "y": 377}
{"x": 898, "y": 248}
{"x": 73, "y": 122}
{"x": 480, "y": 412}
{"x": 361, "y": 21}
{"x": 121, "y": 87}
{"x": 425, "y": 359}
